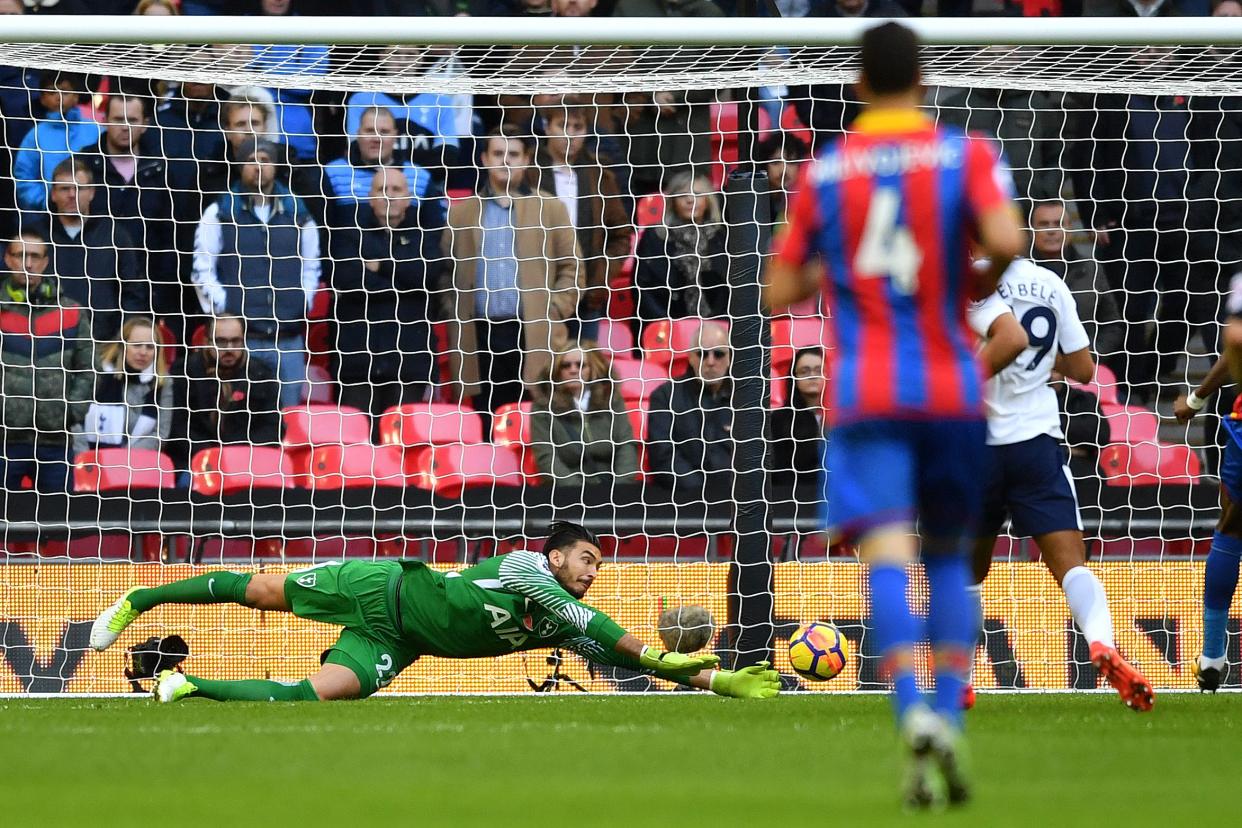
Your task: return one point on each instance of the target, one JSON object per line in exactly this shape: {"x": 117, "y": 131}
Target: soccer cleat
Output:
{"x": 949, "y": 749}
{"x": 171, "y": 686}
{"x": 113, "y": 621}
{"x": 1207, "y": 673}
{"x": 1135, "y": 690}
{"x": 918, "y": 731}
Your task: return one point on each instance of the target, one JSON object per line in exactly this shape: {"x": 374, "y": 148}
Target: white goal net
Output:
{"x": 271, "y": 305}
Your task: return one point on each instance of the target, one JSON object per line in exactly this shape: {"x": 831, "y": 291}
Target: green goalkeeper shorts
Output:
{"x": 360, "y": 596}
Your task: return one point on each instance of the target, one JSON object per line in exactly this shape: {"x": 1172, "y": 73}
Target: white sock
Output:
{"x": 976, "y": 596}
{"x": 1089, "y": 605}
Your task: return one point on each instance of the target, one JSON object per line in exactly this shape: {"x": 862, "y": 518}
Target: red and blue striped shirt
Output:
{"x": 890, "y": 208}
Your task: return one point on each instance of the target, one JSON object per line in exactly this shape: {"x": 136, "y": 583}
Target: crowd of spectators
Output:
{"x": 167, "y": 244}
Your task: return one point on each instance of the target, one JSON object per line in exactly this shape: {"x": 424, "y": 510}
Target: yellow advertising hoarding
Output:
{"x": 46, "y": 610}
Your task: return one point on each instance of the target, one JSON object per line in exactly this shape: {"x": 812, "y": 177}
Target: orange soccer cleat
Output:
{"x": 968, "y": 697}
{"x": 1135, "y": 690}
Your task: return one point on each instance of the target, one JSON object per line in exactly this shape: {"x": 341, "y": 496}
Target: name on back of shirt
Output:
{"x": 886, "y": 160}
{"x": 1033, "y": 290}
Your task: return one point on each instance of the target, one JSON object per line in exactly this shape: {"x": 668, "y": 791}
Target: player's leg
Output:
{"x": 261, "y": 591}
{"x": 1044, "y": 505}
{"x": 1220, "y": 573}
{"x": 994, "y": 511}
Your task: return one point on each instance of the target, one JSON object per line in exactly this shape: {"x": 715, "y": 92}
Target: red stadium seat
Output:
{"x": 340, "y": 467}
{"x": 638, "y": 380}
{"x": 1103, "y": 385}
{"x": 1129, "y": 424}
{"x": 321, "y": 425}
{"x": 648, "y": 211}
{"x": 226, "y": 469}
{"x": 428, "y": 424}
{"x": 616, "y": 338}
{"x": 103, "y": 470}
{"x": 1149, "y": 464}
{"x": 448, "y": 469}
{"x": 511, "y": 429}
{"x": 319, "y": 344}
{"x": 321, "y": 305}
{"x": 668, "y": 342}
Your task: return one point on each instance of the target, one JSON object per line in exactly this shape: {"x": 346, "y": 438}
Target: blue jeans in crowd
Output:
{"x": 46, "y": 465}
{"x": 286, "y": 356}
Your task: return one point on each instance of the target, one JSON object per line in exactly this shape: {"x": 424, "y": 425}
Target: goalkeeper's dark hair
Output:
{"x": 563, "y": 534}
{"x": 890, "y": 58}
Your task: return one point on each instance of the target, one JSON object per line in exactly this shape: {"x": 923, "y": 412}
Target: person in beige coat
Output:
{"x": 516, "y": 276}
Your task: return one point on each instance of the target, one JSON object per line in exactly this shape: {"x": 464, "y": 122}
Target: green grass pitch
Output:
{"x": 1046, "y": 760}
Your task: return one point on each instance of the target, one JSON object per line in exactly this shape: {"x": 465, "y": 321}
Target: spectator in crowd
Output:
{"x": 573, "y": 8}
{"x": 132, "y": 189}
{"x": 682, "y": 264}
{"x": 781, "y": 156}
{"x": 432, "y": 124}
{"x": 666, "y": 131}
{"x": 47, "y": 362}
{"x": 1051, "y": 248}
{"x": 384, "y": 273}
{"x": 589, "y": 191}
{"x": 294, "y": 115}
{"x": 798, "y": 426}
{"x": 188, "y": 134}
{"x": 94, "y": 258}
{"x": 864, "y": 8}
{"x": 59, "y": 134}
{"x": 516, "y": 278}
{"x": 690, "y": 427}
{"x": 133, "y": 401}
{"x": 347, "y": 181}
{"x": 579, "y": 427}
{"x": 157, "y": 8}
{"x": 231, "y": 398}
{"x": 1227, "y": 8}
{"x": 666, "y": 8}
{"x": 18, "y": 109}
{"x": 1167, "y": 217}
{"x": 256, "y": 255}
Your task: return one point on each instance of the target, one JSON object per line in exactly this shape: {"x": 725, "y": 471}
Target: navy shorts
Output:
{"x": 1031, "y": 483}
{"x": 879, "y": 472}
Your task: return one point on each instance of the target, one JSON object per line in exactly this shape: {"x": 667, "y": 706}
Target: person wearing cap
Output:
{"x": 256, "y": 255}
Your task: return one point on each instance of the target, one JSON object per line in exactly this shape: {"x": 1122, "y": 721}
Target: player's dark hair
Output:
{"x": 890, "y": 58}
{"x": 563, "y": 534}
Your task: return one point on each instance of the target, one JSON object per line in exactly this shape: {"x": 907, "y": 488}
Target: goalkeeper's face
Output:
{"x": 575, "y": 566}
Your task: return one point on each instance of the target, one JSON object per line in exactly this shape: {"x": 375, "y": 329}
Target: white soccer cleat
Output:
{"x": 113, "y": 621}
{"x": 171, "y": 686}
{"x": 919, "y": 728}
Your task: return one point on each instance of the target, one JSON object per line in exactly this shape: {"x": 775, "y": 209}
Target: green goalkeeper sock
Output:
{"x": 221, "y": 587}
{"x": 252, "y": 690}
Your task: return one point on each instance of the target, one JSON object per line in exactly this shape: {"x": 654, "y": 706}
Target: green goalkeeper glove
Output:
{"x": 675, "y": 665}
{"x": 759, "y": 681}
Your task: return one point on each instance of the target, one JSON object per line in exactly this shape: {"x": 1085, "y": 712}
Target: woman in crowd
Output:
{"x": 798, "y": 427}
{"x": 682, "y": 265}
{"x": 133, "y": 402}
{"x": 579, "y": 427}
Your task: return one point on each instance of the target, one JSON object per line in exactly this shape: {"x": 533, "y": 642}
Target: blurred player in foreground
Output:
{"x": 395, "y": 611}
{"x": 1220, "y": 572}
{"x": 888, "y": 212}
{"x": 1027, "y": 478}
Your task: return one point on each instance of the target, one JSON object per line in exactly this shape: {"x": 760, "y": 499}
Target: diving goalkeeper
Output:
{"x": 395, "y": 611}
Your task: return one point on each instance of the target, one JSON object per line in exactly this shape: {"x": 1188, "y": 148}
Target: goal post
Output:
{"x": 671, "y": 114}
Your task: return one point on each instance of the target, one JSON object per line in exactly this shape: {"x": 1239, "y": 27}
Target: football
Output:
{"x": 818, "y": 651}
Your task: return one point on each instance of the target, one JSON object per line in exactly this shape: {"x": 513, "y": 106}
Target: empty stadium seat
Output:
{"x": 616, "y": 338}
{"x": 448, "y": 469}
{"x": 428, "y": 424}
{"x": 637, "y": 380}
{"x": 103, "y": 470}
{"x": 1149, "y": 464}
{"x": 1130, "y": 424}
{"x": 511, "y": 429}
{"x": 1103, "y": 385}
{"x": 321, "y": 425}
{"x": 226, "y": 469}
{"x": 338, "y": 467}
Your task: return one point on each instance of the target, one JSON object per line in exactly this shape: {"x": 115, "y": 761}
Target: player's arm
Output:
{"x": 758, "y": 681}
{"x": 998, "y": 223}
{"x": 527, "y": 574}
{"x": 1074, "y": 358}
{"x": 1233, "y": 348}
{"x": 794, "y": 272}
{"x": 1006, "y": 340}
{"x": 1077, "y": 365}
{"x": 1186, "y": 406}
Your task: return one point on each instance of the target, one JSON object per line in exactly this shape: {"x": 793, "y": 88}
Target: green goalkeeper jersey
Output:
{"x": 505, "y": 604}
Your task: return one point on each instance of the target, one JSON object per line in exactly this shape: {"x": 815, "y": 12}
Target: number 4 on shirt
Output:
{"x": 887, "y": 247}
